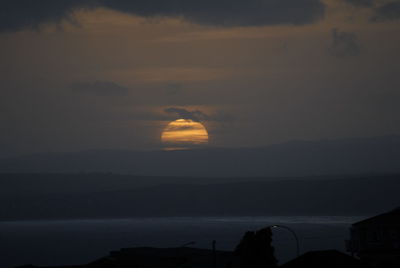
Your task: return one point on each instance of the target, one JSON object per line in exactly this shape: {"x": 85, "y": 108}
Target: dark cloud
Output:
{"x": 344, "y": 44}
{"x": 19, "y": 14}
{"x": 194, "y": 115}
{"x": 361, "y": 3}
{"x": 197, "y": 115}
{"x": 389, "y": 11}
{"x": 226, "y": 12}
{"x": 100, "y": 88}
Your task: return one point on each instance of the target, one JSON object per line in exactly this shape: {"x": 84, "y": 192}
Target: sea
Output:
{"x": 69, "y": 242}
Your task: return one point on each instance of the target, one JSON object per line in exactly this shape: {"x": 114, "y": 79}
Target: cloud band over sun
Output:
{"x": 20, "y": 14}
{"x": 199, "y": 116}
{"x": 195, "y": 115}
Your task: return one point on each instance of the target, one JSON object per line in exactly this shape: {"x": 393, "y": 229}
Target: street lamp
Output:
{"x": 294, "y": 234}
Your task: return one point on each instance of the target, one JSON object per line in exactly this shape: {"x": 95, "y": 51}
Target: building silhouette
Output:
{"x": 376, "y": 240}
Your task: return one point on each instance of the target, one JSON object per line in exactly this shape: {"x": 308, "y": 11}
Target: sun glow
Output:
{"x": 184, "y": 133}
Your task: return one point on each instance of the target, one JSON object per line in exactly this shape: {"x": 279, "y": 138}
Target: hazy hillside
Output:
{"x": 349, "y": 195}
{"x": 33, "y": 184}
{"x": 298, "y": 158}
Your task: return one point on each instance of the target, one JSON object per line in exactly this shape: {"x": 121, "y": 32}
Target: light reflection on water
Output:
{"x": 63, "y": 242}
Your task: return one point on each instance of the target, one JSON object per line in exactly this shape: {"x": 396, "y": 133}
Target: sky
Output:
{"x": 102, "y": 74}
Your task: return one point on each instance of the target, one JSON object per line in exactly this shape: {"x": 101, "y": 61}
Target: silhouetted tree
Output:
{"x": 255, "y": 250}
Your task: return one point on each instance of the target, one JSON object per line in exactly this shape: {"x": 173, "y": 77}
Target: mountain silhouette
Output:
{"x": 297, "y": 158}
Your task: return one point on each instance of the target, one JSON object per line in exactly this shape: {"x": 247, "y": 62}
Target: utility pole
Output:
{"x": 214, "y": 254}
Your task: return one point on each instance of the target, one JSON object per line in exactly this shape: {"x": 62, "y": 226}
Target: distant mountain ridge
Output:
{"x": 297, "y": 158}
{"x": 344, "y": 196}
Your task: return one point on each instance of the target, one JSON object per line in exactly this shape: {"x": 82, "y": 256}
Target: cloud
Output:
{"x": 360, "y": 3}
{"x": 385, "y": 12}
{"x": 20, "y": 14}
{"x": 100, "y": 88}
{"x": 344, "y": 44}
{"x": 226, "y": 12}
{"x": 197, "y": 115}
{"x": 389, "y": 11}
{"x": 194, "y": 115}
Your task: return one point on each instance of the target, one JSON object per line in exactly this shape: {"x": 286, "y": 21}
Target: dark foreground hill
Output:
{"x": 344, "y": 196}
{"x": 160, "y": 257}
{"x": 195, "y": 257}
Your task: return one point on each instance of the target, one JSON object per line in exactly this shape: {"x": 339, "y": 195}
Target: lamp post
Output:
{"x": 214, "y": 253}
{"x": 294, "y": 234}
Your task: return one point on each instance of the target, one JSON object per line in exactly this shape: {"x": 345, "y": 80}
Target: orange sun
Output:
{"x": 184, "y": 134}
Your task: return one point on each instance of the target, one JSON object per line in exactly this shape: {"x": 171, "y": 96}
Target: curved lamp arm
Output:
{"x": 294, "y": 234}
